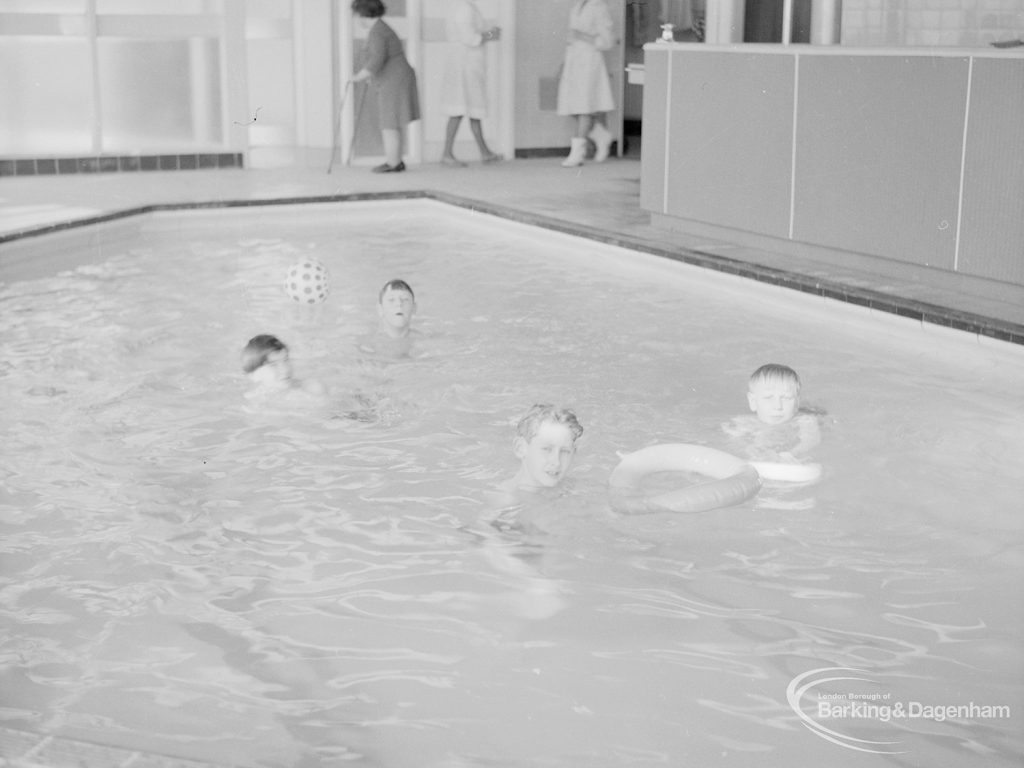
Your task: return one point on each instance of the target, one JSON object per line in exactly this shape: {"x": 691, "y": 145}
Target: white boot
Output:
{"x": 602, "y": 138}
{"x": 577, "y": 151}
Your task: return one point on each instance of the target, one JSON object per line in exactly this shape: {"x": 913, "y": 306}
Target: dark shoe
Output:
{"x": 385, "y": 168}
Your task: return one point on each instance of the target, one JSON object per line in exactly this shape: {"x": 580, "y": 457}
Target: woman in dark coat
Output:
{"x": 393, "y": 79}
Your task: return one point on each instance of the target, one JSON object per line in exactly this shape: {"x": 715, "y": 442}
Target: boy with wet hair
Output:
{"x": 545, "y": 444}
{"x": 779, "y": 428}
{"x": 265, "y": 361}
{"x": 773, "y": 393}
{"x": 396, "y": 305}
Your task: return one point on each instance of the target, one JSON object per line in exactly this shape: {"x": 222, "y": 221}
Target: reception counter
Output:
{"x": 909, "y": 156}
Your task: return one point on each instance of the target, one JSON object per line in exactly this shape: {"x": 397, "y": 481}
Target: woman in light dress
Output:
{"x": 465, "y": 79}
{"x": 584, "y": 90}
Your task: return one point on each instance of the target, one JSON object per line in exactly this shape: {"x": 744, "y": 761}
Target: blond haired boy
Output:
{"x": 778, "y": 430}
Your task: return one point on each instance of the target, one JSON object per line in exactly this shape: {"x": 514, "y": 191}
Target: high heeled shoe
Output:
{"x": 385, "y": 168}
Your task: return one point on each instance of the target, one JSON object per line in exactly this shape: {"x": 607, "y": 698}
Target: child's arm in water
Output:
{"x": 791, "y": 441}
{"x": 803, "y": 435}
{"x": 739, "y": 426}
{"x": 809, "y": 435}
{"x": 295, "y": 394}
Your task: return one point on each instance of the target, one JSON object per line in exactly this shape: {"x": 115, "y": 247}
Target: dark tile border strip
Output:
{"x": 541, "y": 152}
{"x": 924, "y": 312}
{"x": 41, "y": 166}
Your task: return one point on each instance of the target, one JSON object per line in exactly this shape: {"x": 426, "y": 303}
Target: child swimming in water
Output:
{"x": 265, "y": 361}
{"x": 545, "y": 444}
{"x": 396, "y": 305}
{"x": 779, "y": 430}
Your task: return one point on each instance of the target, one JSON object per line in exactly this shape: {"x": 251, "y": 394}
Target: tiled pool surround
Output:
{"x": 913, "y": 309}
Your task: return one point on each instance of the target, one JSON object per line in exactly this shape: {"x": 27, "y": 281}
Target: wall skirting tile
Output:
{"x": 39, "y": 166}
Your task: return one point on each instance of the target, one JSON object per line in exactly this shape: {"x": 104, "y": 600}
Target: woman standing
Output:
{"x": 393, "y": 79}
{"x": 584, "y": 90}
{"x": 465, "y": 77}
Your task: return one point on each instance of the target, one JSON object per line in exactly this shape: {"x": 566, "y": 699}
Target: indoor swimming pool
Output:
{"x": 186, "y": 573}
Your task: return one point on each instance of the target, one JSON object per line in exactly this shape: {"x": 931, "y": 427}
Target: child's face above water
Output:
{"x": 275, "y": 371}
{"x": 397, "y": 308}
{"x": 774, "y": 402}
{"x": 546, "y": 456}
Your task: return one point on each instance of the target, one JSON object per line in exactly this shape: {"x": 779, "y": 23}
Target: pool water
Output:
{"x": 185, "y": 573}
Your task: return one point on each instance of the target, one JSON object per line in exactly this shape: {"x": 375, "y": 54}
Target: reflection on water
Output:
{"x": 284, "y": 588}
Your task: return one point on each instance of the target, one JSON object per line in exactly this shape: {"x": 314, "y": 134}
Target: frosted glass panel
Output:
{"x": 931, "y": 22}
{"x": 274, "y": 9}
{"x": 42, "y": 6}
{"x": 46, "y": 95}
{"x": 160, "y": 7}
{"x": 271, "y": 75}
{"x": 159, "y": 94}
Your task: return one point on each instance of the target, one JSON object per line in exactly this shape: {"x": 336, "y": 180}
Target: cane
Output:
{"x": 355, "y": 124}
{"x": 337, "y": 124}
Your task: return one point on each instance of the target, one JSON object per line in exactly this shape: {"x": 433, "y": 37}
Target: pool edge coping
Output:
{"x": 913, "y": 309}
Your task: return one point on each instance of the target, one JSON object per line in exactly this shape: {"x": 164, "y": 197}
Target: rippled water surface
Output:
{"x": 184, "y": 574}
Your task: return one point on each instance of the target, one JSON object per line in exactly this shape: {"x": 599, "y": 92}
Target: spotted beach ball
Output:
{"x": 306, "y": 282}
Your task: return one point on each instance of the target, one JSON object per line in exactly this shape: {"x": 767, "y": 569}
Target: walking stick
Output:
{"x": 337, "y": 125}
{"x": 355, "y": 123}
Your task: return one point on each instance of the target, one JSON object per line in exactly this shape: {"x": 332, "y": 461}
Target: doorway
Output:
{"x": 642, "y": 25}
{"x": 763, "y": 21}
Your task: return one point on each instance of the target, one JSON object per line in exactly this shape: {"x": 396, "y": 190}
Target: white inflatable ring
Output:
{"x": 788, "y": 473}
{"x": 733, "y": 479}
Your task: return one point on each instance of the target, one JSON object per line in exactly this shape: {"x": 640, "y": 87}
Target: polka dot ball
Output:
{"x": 306, "y": 282}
